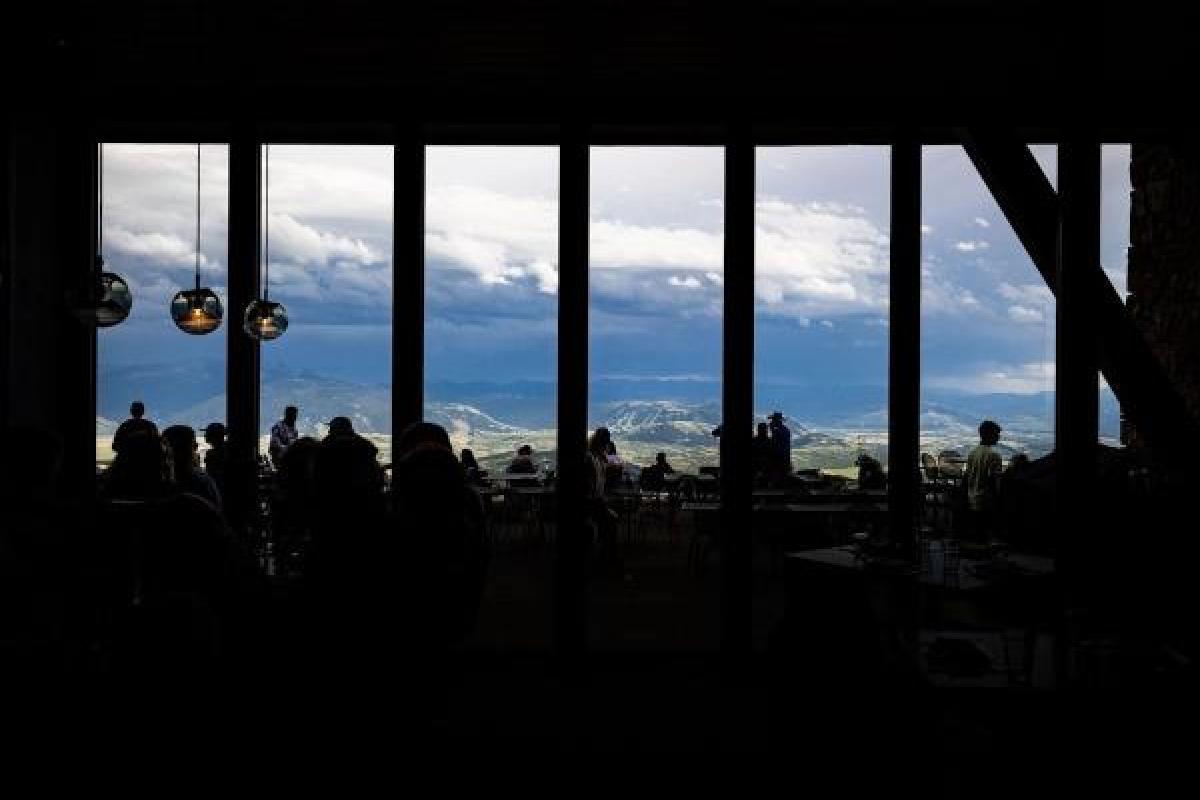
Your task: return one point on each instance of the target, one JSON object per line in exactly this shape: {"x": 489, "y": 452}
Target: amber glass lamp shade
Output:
{"x": 114, "y": 301}
{"x": 265, "y": 320}
{"x": 197, "y": 311}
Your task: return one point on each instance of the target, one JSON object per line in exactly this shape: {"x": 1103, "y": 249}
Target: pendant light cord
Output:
{"x": 267, "y": 230}
{"x": 197, "y": 216}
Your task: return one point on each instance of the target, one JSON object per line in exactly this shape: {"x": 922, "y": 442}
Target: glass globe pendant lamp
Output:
{"x": 265, "y": 319}
{"x": 108, "y": 300}
{"x": 197, "y": 311}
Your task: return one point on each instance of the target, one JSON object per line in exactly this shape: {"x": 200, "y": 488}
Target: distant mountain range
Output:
{"x": 679, "y": 414}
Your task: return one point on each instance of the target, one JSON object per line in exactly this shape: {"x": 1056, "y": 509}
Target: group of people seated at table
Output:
{"x": 157, "y": 575}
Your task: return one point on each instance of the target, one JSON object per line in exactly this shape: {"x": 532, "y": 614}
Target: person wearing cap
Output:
{"x": 982, "y": 480}
{"x": 283, "y": 435}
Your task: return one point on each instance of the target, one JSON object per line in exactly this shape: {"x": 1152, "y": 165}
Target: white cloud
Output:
{"x": 819, "y": 259}
{"x": 301, "y": 242}
{"x": 968, "y": 299}
{"x": 1028, "y": 378}
{"x": 971, "y": 246}
{"x": 983, "y": 223}
{"x": 690, "y": 282}
{"x": 1027, "y": 294}
{"x": 165, "y": 248}
{"x": 1024, "y": 314}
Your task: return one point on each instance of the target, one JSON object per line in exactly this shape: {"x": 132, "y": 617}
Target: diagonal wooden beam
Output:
{"x": 1031, "y": 206}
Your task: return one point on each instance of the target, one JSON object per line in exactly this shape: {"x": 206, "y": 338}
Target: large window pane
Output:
{"x": 149, "y": 238}
{"x": 987, "y": 318}
{"x": 491, "y": 332}
{"x": 655, "y": 319}
{"x": 821, "y": 301}
{"x": 330, "y": 256}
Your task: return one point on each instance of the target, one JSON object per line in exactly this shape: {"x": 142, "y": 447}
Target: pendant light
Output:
{"x": 110, "y": 299}
{"x": 197, "y": 311}
{"x": 266, "y": 320}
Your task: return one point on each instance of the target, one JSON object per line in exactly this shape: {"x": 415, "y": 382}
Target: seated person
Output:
{"x": 653, "y": 476}
{"x": 871, "y": 476}
{"x": 470, "y": 465}
{"x": 186, "y": 467}
{"x": 523, "y": 463}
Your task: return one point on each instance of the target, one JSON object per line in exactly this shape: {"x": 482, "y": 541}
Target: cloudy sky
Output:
{"x": 821, "y": 272}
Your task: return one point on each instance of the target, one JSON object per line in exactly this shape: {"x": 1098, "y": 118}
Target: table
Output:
{"x": 971, "y": 575}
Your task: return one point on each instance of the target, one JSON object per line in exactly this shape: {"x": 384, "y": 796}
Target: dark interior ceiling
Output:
{"x": 869, "y": 65}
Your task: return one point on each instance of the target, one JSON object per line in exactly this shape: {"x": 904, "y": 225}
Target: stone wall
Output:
{"x": 1164, "y": 260}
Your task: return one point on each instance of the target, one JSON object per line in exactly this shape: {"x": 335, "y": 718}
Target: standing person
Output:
{"x": 283, "y": 435}
{"x": 982, "y": 479}
{"x": 602, "y": 516}
{"x": 781, "y": 446}
{"x": 135, "y": 424}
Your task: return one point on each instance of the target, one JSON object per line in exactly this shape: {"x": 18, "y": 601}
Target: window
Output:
{"x": 149, "y": 238}
{"x": 987, "y": 317}
{"x": 655, "y": 317}
{"x": 330, "y": 240}
{"x": 491, "y": 299}
{"x": 821, "y": 301}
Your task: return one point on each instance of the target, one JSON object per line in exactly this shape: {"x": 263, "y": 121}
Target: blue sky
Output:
{"x": 491, "y": 277}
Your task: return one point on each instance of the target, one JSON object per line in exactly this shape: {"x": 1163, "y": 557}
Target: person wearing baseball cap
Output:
{"x": 982, "y": 479}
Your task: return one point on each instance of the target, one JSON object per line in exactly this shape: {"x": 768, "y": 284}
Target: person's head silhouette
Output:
{"x": 214, "y": 434}
{"x": 290, "y": 414}
{"x": 419, "y": 433}
{"x": 182, "y": 441}
{"x": 137, "y": 409}
{"x": 989, "y": 432}
{"x": 525, "y": 451}
{"x": 141, "y": 469}
{"x": 341, "y": 426}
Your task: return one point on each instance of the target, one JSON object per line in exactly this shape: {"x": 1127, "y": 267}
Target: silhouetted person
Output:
{"x": 781, "y": 446}
{"x": 135, "y": 424}
{"x": 418, "y": 433}
{"x": 871, "y": 476}
{"x": 761, "y": 452}
{"x": 185, "y": 464}
{"x": 604, "y": 518}
{"x": 440, "y": 525}
{"x": 523, "y": 463}
{"x": 283, "y": 434}
{"x": 981, "y": 479}
{"x": 653, "y": 477}
{"x": 293, "y": 507}
{"x": 347, "y": 470}
{"x": 1017, "y": 463}
{"x": 179, "y": 594}
{"x": 217, "y": 456}
{"x": 471, "y": 468}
